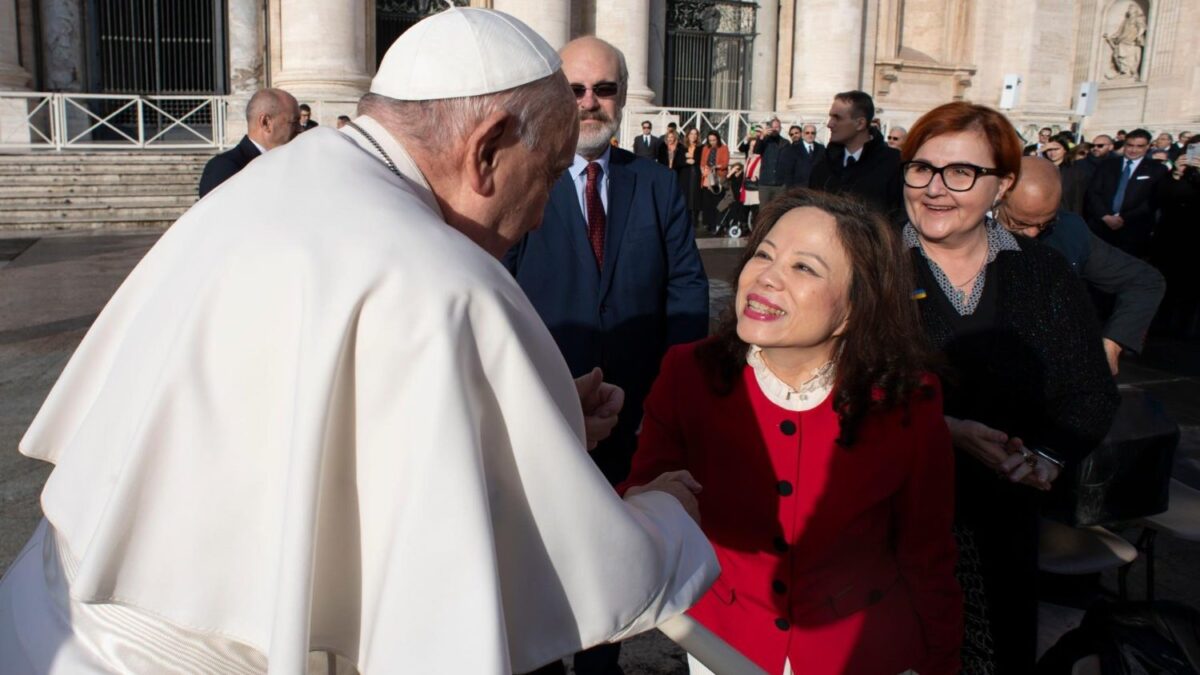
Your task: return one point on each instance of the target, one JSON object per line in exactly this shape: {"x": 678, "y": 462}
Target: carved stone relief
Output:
{"x": 1126, "y": 45}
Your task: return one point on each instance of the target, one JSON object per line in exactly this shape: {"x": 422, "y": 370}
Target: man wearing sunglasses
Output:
{"x": 613, "y": 270}
{"x": 1032, "y": 209}
{"x": 646, "y": 144}
{"x": 798, "y": 159}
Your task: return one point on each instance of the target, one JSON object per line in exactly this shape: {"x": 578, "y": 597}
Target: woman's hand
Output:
{"x": 1023, "y": 466}
{"x": 987, "y": 445}
{"x": 678, "y": 484}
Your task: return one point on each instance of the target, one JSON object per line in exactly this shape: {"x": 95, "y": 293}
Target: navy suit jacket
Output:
{"x": 651, "y": 293}
{"x": 1138, "y": 207}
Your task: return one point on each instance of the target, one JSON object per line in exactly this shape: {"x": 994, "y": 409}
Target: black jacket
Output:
{"x": 796, "y": 163}
{"x": 648, "y": 151}
{"x": 222, "y": 167}
{"x": 1137, "y": 208}
{"x": 875, "y": 177}
{"x": 771, "y": 148}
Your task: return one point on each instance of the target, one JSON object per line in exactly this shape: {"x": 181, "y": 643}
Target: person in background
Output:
{"x": 798, "y": 159}
{"x": 1032, "y": 209}
{"x": 689, "y": 174}
{"x": 646, "y": 144}
{"x": 858, "y": 161}
{"x": 769, "y": 145}
{"x": 816, "y": 429}
{"x": 1030, "y": 392}
{"x": 1176, "y": 241}
{"x": 342, "y": 121}
{"x": 1044, "y": 135}
{"x": 1102, "y": 147}
{"x": 1120, "y": 205}
{"x": 896, "y": 136}
{"x": 272, "y": 119}
{"x": 671, "y": 153}
{"x": 714, "y": 166}
{"x": 306, "y": 120}
{"x": 1074, "y": 179}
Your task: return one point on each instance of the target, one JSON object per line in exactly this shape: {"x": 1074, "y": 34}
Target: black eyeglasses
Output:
{"x": 600, "y": 89}
{"x": 956, "y": 177}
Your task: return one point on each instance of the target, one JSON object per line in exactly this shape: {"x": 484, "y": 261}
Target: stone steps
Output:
{"x": 97, "y": 190}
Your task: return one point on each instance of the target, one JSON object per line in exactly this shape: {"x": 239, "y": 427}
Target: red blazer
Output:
{"x": 840, "y": 559}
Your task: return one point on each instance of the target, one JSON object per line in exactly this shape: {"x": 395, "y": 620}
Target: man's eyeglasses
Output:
{"x": 894, "y": 138}
{"x": 600, "y": 89}
{"x": 956, "y": 177}
{"x": 1014, "y": 225}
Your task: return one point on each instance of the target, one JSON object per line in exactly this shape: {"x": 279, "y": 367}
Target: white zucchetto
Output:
{"x": 463, "y": 52}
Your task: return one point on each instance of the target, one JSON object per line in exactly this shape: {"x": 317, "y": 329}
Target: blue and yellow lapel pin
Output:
{"x": 919, "y": 294}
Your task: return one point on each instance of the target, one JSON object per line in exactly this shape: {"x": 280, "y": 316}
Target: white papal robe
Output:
{"x": 315, "y": 417}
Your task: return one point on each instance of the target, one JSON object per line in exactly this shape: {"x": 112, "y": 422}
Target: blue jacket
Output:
{"x": 652, "y": 292}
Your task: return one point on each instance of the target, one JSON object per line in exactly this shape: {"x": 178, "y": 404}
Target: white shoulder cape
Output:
{"x": 317, "y": 417}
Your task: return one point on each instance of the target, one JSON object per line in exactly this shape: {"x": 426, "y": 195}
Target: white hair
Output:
{"x": 429, "y": 123}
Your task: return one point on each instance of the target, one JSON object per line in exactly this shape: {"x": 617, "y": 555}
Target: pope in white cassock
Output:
{"x": 320, "y": 426}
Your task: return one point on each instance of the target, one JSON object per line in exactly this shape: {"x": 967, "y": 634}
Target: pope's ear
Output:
{"x": 483, "y": 150}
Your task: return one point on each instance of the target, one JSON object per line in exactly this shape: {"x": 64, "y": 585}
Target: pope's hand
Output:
{"x": 678, "y": 484}
{"x": 601, "y": 402}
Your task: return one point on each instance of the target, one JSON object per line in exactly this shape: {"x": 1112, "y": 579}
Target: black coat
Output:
{"x": 796, "y": 163}
{"x": 771, "y": 148}
{"x": 875, "y": 177}
{"x": 1029, "y": 362}
{"x": 222, "y": 167}
{"x": 680, "y": 156}
{"x": 1137, "y": 208}
{"x": 648, "y": 151}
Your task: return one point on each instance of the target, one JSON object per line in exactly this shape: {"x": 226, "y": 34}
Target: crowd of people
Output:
{"x": 359, "y": 436}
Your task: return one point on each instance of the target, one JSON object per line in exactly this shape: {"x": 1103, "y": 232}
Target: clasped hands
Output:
{"x": 1005, "y": 455}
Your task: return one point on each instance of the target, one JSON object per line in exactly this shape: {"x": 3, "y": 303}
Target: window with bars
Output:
{"x": 709, "y": 48}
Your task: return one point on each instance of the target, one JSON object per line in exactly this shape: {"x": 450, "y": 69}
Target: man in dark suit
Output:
{"x": 647, "y": 144}
{"x": 797, "y": 160}
{"x": 306, "y": 120}
{"x": 1120, "y": 204}
{"x": 1032, "y": 209}
{"x": 272, "y": 119}
{"x": 613, "y": 270}
{"x": 1035, "y": 149}
{"x": 858, "y": 161}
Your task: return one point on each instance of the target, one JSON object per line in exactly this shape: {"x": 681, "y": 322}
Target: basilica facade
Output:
{"x": 1029, "y": 57}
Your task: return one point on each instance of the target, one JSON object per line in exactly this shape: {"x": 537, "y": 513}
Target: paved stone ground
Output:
{"x": 52, "y": 287}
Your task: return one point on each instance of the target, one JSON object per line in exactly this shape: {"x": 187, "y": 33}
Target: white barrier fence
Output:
{"x": 41, "y": 121}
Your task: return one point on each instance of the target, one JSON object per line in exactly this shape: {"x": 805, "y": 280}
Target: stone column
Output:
{"x": 12, "y": 75}
{"x": 626, "y": 24}
{"x": 550, "y": 18}
{"x": 762, "y": 68}
{"x": 656, "y": 69}
{"x": 246, "y": 76}
{"x": 819, "y": 71}
{"x": 64, "y": 66}
{"x": 320, "y": 48}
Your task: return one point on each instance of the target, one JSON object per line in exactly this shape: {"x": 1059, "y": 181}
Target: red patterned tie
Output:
{"x": 595, "y": 212}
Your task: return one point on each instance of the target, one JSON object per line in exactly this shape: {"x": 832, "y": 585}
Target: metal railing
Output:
{"x": 732, "y": 125}
{"x": 33, "y": 121}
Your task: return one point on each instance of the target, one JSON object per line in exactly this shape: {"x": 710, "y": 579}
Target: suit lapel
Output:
{"x": 621, "y": 186}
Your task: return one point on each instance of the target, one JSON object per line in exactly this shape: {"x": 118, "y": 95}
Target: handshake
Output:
{"x": 601, "y": 402}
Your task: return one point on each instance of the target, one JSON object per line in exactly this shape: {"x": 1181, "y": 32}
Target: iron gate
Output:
{"x": 393, "y": 17}
{"x": 172, "y": 48}
{"x": 709, "y": 48}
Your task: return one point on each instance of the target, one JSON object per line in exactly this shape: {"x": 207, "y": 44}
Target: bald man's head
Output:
{"x": 1032, "y": 203}
{"x": 272, "y": 117}
{"x": 598, "y": 75}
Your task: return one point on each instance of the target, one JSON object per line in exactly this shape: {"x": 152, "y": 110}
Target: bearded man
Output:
{"x": 320, "y": 428}
{"x": 613, "y": 270}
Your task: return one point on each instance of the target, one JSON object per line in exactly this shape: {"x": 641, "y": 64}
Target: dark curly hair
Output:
{"x": 883, "y": 358}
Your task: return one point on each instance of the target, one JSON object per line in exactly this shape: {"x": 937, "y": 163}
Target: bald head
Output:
{"x": 1033, "y": 201}
{"x": 272, "y": 117}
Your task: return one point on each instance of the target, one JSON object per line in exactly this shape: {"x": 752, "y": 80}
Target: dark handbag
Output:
{"x": 1128, "y": 475}
{"x": 1129, "y": 638}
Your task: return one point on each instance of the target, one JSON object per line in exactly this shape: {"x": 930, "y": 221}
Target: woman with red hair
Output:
{"x": 1029, "y": 390}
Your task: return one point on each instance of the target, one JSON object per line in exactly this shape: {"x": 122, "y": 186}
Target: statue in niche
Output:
{"x": 1127, "y": 45}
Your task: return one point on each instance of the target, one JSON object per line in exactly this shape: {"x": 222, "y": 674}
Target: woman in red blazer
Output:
{"x": 816, "y": 433}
